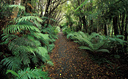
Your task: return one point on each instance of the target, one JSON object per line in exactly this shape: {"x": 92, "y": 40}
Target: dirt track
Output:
{"x": 72, "y": 63}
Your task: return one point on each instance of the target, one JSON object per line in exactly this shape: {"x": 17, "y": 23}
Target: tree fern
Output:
{"x": 29, "y": 18}
{"x": 13, "y": 73}
{"x": 86, "y": 40}
{"x": 29, "y": 74}
{"x": 43, "y": 52}
{"x": 13, "y": 63}
{"x": 19, "y": 28}
{"x": 19, "y": 6}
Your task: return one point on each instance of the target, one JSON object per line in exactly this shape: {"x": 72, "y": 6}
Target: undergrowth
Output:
{"x": 27, "y": 47}
{"x": 102, "y": 49}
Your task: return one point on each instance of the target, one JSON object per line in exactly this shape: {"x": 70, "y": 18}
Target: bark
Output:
{"x": 122, "y": 26}
{"x": 115, "y": 25}
{"x": 126, "y": 33}
{"x": 84, "y": 23}
{"x": 105, "y": 29}
{"x": 47, "y": 7}
{"x": 15, "y": 9}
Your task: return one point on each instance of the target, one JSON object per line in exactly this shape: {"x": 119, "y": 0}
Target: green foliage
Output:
{"x": 19, "y": 28}
{"x": 98, "y": 43}
{"x": 13, "y": 63}
{"x": 12, "y": 72}
{"x": 51, "y": 31}
{"x": 33, "y": 19}
{"x": 116, "y": 44}
{"x": 85, "y": 2}
{"x": 66, "y": 31}
{"x": 50, "y": 63}
{"x": 29, "y": 74}
{"x": 17, "y": 6}
{"x": 28, "y": 47}
{"x": 93, "y": 42}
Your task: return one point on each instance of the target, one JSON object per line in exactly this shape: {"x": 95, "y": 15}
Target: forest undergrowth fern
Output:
{"x": 27, "y": 44}
{"x": 93, "y": 42}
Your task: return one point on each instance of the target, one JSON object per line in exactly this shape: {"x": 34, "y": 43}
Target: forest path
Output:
{"x": 72, "y": 63}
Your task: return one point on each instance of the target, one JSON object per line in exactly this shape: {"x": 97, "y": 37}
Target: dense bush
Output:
{"x": 27, "y": 46}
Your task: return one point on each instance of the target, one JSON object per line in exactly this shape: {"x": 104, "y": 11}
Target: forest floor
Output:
{"x": 72, "y": 63}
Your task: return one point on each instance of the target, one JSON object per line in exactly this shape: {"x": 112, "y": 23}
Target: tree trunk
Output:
{"x": 126, "y": 27}
{"x": 115, "y": 25}
{"x": 84, "y": 23}
{"x": 15, "y": 9}
{"x": 122, "y": 26}
{"x": 105, "y": 29}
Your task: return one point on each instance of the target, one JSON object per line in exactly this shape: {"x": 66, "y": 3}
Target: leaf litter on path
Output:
{"x": 70, "y": 63}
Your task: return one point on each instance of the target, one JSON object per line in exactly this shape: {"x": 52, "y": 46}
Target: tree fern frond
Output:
{"x": 35, "y": 59}
{"x": 25, "y": 23}
{"x": 103, "y": 50}
{"x": 7, "y": 38}
{"x": 48, "y": 18}
{"x": 70, "y": 35}
{"x": 12, "y": 63}
{"x": 32, "y": 74}
{"x": 13, "y": 72}
{"x": 85, "y": 47}
{"x": 43, "y": 52}
{"x": 25, "y": 57}
{"x": 37, "y": 24}
{"x": 19, "y": 6}
{"x": 29, "y": 74}
{"x": 29, "y": 18}
{"x": 33, "y": 41}
{"x": 83, "y": 34}
{"x": 50, "y": 63}
{"x": 19, "y": 28}
{"x": 50, "y": 47}
{"x": 86, "y": 41}
{"x": 43, "y": 37}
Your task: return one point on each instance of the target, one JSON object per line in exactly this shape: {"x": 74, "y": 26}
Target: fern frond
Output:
{"x": 43, "y": 37}
{"x": 25, "y": 23}
{"x": 48, "y": 18}
{"x": 19, "y": 6}
{"x": 29, "y": 74}
{"x": 83, "y": 34}
{"x": 33, "y": 41}
{"x": 29, "y": 18}
{"x": 70, "y": 35}
{"x": 19, "y": 28}
{"x": 13, "y": 72}
{"x": 13, "y": 63}
{"x": 43, "y": 53}
{"x": 50, "y": 63}
{"x": 7, "y": 38}
{"x": 50, "y": 47}
{"x": 85, "y": 47}
{"x": 103, "y": 50}
{"x": 37, "y": 24}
